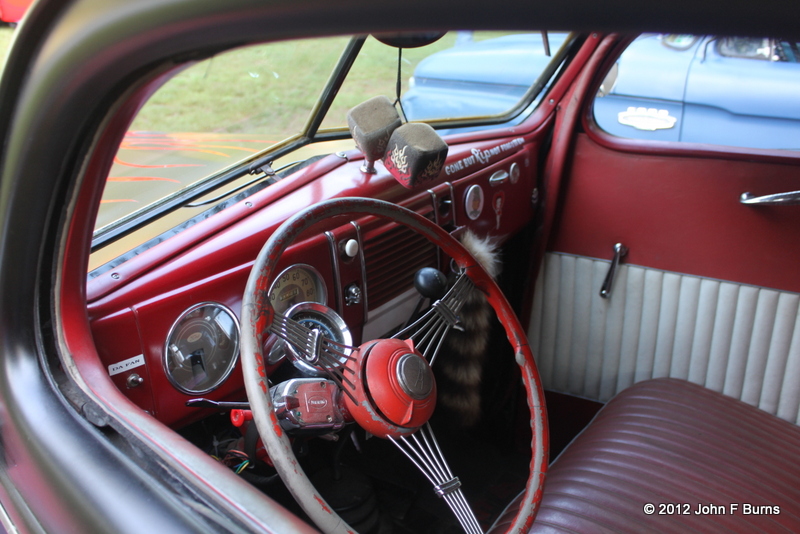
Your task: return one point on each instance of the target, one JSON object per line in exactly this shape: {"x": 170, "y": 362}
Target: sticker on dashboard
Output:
{"x": 130, "y": 363}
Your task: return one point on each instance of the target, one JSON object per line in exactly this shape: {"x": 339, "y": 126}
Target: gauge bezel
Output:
{"x": 474, "y": 192}
{"x": 231, "y": 366}
{"x": 322, "y": 289}
{"x": 330, "y": 314}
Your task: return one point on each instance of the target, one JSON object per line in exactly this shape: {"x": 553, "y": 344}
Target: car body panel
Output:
{"x": 477, "y": 78}
{"x": 681, "y": 215}
{"x": 705, "y": 296}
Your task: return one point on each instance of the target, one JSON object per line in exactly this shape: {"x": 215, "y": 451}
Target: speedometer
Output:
{"x": 320, "y": 318}
{"x": 299, "y": 283}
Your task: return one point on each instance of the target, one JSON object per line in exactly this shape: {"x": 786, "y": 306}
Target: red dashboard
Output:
{"x": 485, "y": 187}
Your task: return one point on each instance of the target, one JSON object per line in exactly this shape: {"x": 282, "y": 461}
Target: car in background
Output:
{"x": 478, "y": 78}
{"x": 735, "y": 91}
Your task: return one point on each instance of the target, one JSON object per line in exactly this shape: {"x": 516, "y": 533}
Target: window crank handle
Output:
{"x": 620, "y": 251}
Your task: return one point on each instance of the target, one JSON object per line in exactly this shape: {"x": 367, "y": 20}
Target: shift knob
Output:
{"x": 431, "y": 283}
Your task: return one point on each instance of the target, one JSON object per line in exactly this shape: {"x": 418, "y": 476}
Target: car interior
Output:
{"x": 511, "y": 322}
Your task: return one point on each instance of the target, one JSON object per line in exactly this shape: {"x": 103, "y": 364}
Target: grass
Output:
{"x": 6, "y": 33}
{"x": 272, "y": 88}
{"x": 264, "y": 89}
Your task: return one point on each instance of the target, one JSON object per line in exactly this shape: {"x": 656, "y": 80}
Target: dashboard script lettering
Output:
{"x": 482, "y": 156}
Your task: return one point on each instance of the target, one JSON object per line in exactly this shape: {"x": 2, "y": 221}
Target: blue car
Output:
{"x": 477, "y": 78}
{"x": 697, "y": 89}
{"x": 727, "y": 91}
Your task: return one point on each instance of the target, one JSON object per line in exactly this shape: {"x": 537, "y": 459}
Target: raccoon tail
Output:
{"x": 460, "y": 366}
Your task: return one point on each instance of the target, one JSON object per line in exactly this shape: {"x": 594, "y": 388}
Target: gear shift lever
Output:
{"x": 430, "y": 283}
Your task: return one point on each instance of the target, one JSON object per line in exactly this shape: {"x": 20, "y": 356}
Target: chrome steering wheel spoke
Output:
{"x": 316, "y": 349}
{"x": 429, "y": 331}
{"x": 424, "y": 452}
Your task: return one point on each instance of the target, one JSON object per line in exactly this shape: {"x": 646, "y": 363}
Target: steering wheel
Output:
{"x": 387, "y": 384}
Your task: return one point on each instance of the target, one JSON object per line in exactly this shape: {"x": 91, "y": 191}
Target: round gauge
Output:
{"x": 328, "y": 323}
{"x": 299, "y": 283}
{"x": 202, "y": 348}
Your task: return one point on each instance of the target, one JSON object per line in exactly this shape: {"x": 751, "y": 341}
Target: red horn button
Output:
{"x": 400, "y": 386}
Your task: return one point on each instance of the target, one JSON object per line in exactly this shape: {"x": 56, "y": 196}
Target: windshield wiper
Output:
{"x": 267, "y": 172}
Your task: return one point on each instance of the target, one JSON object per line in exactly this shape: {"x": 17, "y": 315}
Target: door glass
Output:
{"x": 462, "y": 75}
{"x": 714, "y": 90}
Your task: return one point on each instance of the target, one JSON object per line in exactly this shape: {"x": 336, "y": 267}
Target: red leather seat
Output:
{"x": 681, "y": 448}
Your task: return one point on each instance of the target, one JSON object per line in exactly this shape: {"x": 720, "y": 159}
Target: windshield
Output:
{"x": 214, "y": 126}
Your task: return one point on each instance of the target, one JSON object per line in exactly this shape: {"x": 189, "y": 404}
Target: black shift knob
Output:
{"x": 431, "y": 283}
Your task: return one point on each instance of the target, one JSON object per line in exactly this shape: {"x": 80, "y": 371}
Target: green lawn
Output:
{"x": 5, "y": 41}
{"x": 272, "y": 89}
{"x": 269, "y": 90}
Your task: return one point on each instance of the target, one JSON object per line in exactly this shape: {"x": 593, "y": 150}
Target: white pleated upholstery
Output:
{"x": 739, "y": 340}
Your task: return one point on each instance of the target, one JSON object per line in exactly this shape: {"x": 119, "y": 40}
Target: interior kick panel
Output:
{"x": 682, "y": 214}
{"x": 740, "y": 340}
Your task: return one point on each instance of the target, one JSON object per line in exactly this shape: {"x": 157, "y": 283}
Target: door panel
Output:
{"x": 708, "y": 291}
{"x": 741, "y": 340}
{"x": 682, "y": 214}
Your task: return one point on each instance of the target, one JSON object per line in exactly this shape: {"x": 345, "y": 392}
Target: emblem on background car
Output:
{"x": 647, "y": 118}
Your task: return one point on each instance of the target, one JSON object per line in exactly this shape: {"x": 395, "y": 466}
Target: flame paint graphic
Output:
{"x": 140, "y": 179}
{"x": 399, "y": 159}
{"x": 433, "y": 169}
{"x": 163, "y": 166}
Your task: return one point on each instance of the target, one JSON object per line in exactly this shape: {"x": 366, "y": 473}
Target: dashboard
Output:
{"x": 166, "y": 322}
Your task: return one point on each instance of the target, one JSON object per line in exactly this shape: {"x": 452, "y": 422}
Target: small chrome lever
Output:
{"x": 620, "y": 251}
{"x": 219, "y": 405}
{"x": 790, "y": 198}
{"x": 499, "y": 177}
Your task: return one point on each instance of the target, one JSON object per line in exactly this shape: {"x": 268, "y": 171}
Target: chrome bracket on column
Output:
{"x": 620, "y": 251}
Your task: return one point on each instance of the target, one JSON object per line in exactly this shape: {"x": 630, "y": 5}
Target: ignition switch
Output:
{"x": 308, "y": 406}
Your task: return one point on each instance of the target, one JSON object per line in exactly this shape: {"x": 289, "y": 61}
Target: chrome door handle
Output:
{"x": 620, "y": 251}
{"x": 790, "y": 198}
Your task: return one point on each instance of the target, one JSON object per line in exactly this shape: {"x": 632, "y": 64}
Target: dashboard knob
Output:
{"x": 351, "y": 248}
{"x": 431, "y": 283}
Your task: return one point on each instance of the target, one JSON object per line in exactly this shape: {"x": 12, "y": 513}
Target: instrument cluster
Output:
{"x": 202, "y": 346}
